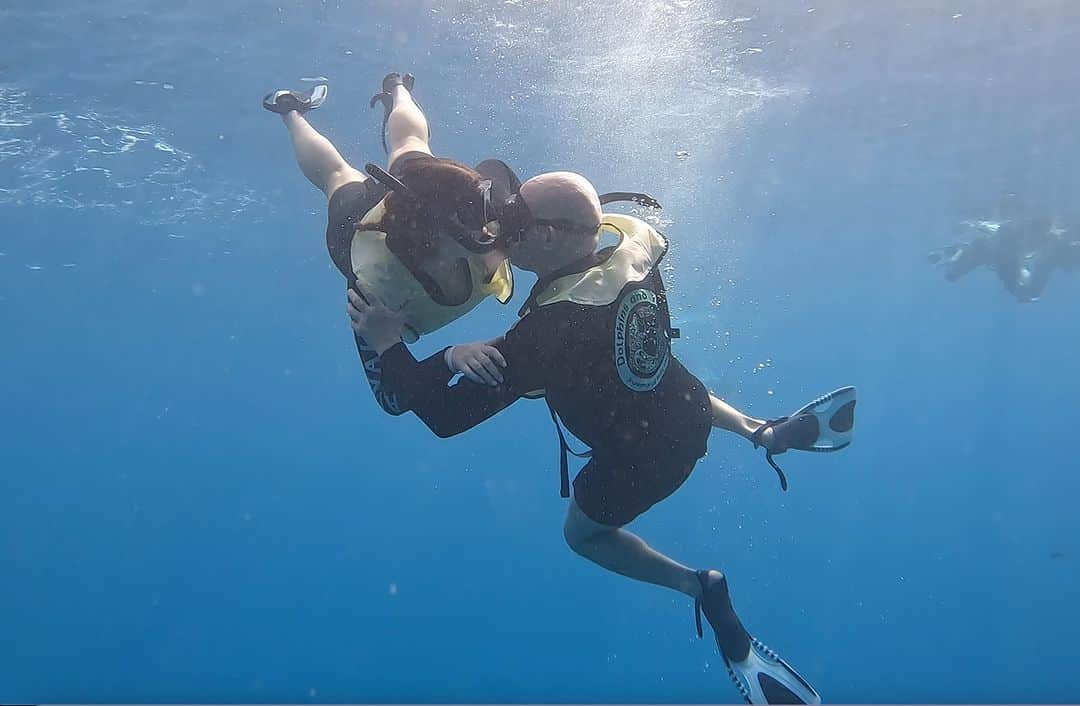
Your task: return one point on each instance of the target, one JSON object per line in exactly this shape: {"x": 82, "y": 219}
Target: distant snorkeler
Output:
{"x": 594, "y": 340}
{"x": 416, "y": 255}
{"x": 1022, "y": 252}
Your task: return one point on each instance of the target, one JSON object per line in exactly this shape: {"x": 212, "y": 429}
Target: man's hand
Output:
{"x": 379, "y": 326}
{"x": 479, "y": 362}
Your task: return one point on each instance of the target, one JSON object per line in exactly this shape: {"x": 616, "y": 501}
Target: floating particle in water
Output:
{"x": 1058, "y": 555}
{"x": 348, "y": 52}
{"x": 315, "y": 79}
{"x": 168, "y": 86}
{"x": 176, "y": 236}
{"x": 68, "y": 264}
{"x": 392, "y": 589}
{"x": 682, "y": 154}
{"x": 754, "y": 50}
{"x": 34, "y": 268}
{"x": 958, "y": 15}
{"x": 809, "y": 10}
{"x": 311, "y": 692}
{"x": 198, "y": 289}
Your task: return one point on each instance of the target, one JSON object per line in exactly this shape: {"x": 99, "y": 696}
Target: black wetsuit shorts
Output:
{"x": 614, "y": 491}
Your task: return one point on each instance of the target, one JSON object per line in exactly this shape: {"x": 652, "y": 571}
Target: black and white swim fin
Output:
{"x": 286, "y": 100}
{"x": 824, "y": 425}
{"x": 764, "y": 678}
{"x": 757, "y": 672}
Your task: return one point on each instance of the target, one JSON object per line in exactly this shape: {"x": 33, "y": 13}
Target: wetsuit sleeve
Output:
{"x": 384, "y": 395}
{"x": 449, "y": 410}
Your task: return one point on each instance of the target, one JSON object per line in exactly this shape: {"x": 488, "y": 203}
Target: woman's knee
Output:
{"x": 346, "y": 174}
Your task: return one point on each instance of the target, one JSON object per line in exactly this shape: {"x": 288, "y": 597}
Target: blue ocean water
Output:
{"x": 201, "y": 503}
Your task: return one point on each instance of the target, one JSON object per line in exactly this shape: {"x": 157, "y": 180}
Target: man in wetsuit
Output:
{"x": 595, "y": 339}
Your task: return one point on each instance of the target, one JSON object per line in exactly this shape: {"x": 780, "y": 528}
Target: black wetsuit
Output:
{"x": 609, "y": 374}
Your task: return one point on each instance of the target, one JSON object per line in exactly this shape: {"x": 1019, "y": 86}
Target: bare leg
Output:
{"x": 406, "y": 127}
{"x": 730, "y": 419}
{"x": 624, "y": 553}
{"x": 319, "y": 160}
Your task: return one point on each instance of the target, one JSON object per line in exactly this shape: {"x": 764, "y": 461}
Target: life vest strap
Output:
{"x": 564, "y": 465}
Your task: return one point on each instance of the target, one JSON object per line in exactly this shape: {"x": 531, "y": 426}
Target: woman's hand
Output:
{"x": 479, "y": 362}
{"x": 379, "y": 326}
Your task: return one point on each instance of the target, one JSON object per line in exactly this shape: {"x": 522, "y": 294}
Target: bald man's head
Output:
{"x": 565, "y": 222}
{"x": 562, "y": 196}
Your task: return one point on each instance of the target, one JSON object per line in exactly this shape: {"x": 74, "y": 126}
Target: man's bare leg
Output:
{"x": 730, "y": 419}
{"x": 624, "y": 553}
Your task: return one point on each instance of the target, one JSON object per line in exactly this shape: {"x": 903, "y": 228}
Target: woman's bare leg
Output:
{"x": 406, "y": 127}
{"x": 319, "y": 160}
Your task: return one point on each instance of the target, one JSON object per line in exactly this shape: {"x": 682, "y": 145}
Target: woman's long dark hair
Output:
{"x": 445, "y": 191}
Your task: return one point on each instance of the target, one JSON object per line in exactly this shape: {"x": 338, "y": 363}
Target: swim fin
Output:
{"x": 764, "y": 678}
{"x": 759, "y": 674}
{"x": 824, "y": 425}
{"x": 386, "y": 97}
{"x": 285, "y": 100}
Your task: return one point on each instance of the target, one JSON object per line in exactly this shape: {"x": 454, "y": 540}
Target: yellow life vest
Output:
{"x": 640, "y": 248}
{"x": 379, "y": 271}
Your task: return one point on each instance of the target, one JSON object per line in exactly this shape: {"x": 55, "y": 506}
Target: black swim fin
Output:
{"x": 386, "y": 97}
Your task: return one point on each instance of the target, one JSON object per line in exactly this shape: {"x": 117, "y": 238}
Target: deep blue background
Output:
{"x": 200, "y": 502}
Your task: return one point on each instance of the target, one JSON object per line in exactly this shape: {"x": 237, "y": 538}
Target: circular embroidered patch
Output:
{"x": 642, "y": 349}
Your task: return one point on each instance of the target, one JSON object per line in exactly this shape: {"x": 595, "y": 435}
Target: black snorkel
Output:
{"x": 636, "y": 196}
{"x": 390, "y": 181}
{"x": 456, "y": 230}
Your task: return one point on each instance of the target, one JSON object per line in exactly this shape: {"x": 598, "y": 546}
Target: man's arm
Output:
{"x": 421, "y": 386}
{"x": 447, "y": 410}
